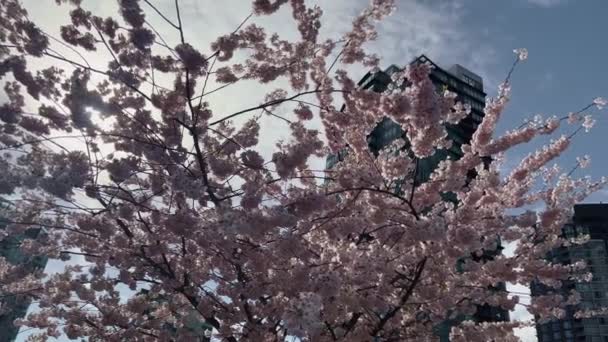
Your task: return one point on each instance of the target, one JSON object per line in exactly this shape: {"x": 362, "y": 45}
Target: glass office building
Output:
{"x": 592, "y": 220}
{"x": 468, "y": 87}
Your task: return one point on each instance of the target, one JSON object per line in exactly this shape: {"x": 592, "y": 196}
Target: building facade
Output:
{"x": 468, "y": 87}
{"x": 592, "y": 220}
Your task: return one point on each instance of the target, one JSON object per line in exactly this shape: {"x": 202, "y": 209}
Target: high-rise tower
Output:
{"x": 592, "y": 220}
{"x": 468, "y": 87}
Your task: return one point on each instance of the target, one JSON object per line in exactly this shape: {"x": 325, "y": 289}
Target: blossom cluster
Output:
{"x": 158, "y": 192}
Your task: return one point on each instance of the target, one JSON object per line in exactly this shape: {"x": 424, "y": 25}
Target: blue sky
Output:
{"x": 565, "y": 71}
{"x": 566, "y": 68}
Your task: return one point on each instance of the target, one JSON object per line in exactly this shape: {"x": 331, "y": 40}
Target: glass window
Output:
{"x": 582, "y": 230}
{"x": 583, "y": 287}
{"x": 470, "y": 81}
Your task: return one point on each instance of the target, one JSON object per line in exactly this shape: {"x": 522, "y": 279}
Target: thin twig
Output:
{"x": 161, "y": 14}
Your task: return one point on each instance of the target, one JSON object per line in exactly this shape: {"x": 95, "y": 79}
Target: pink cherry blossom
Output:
{"x": 583, "y": 161}
{"x": 225, "y": 75}
{"x": 193, "y": 60}
{"x": 149, "y": 180}
{"x": 522, "y": 54}
{"x": 588, "y": 122}
{"x": 600, "y": 102}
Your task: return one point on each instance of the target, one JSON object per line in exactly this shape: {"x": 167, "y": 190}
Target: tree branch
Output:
{"x": 406, "y": 296}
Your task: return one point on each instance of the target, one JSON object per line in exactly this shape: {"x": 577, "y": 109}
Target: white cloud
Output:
{"x": 439, "y": 31}
{"x": 520, "y": 313}
{"x": 527, "y": 334}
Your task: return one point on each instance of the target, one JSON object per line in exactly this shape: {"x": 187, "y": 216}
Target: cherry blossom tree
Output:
{"x": 126, "y": 164}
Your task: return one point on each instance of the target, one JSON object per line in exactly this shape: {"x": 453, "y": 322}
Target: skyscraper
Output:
{"x": 592, "y": 220}
{"x": 468, "y": 87}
